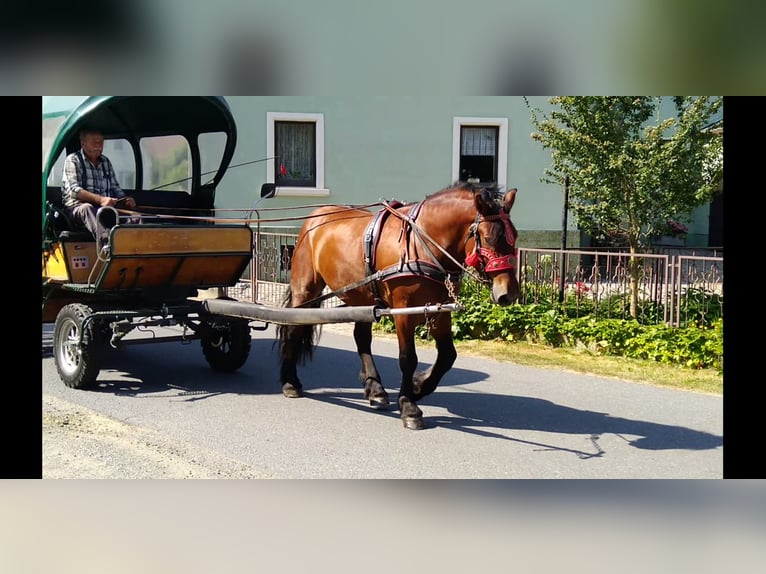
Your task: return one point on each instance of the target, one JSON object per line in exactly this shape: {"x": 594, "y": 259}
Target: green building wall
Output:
{"x": 400, "y": 147}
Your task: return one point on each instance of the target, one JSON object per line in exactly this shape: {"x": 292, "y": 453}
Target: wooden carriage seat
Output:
{"x": 64, "y": 227}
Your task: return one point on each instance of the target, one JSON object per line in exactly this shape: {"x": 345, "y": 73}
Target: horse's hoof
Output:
{"x": 291, "y": 391}
{"x": 413, "y": 423}
{"x": 379, "y": 403}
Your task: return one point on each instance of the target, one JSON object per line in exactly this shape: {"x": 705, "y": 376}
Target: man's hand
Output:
{"x": 126, "y": 201}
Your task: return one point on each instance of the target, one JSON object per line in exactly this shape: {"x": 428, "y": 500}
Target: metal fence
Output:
{"x": 672, "y": 287}
{"x": 269, "y": 271}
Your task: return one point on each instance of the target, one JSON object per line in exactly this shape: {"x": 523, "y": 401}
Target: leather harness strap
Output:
{"x": 372, "y": 233}
{"x": 406, "y": 267}
{"x": 433, "y": 269}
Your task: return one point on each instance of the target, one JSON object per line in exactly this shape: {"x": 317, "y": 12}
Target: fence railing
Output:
{"x": 671, "y": 288}
{"x": 674, "y": 289}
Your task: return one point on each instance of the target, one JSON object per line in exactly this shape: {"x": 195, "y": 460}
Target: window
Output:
{"x": 296, "y": 144}
{"x": 126, "y": 179}
{"x": 51, "y": 127}
{"x": 478, "y": 154}
{"x": 120, "y": 154}
{"x": 480, "y": 150}
{"x": 56, "y": 174}
{"x": 167, "y": 163}
{"x": 211, "y": 148}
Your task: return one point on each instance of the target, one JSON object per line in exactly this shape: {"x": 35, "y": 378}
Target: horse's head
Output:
{"x": 494, "y": 252}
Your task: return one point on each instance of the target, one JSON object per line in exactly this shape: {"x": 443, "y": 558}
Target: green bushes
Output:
{"x": 696, "y": 344}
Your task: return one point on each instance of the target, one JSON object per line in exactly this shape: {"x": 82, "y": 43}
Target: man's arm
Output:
{"x": 71, "y": 183}
{"x": 73, "y": 192}
{"x": 123, "y": 200}
{"x": 86, "y": 196}
{"x": 114, "y": 185}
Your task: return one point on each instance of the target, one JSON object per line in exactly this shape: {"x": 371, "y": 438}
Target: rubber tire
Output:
{"x": 228, "y": 352}
{"x": 78, "y": 364}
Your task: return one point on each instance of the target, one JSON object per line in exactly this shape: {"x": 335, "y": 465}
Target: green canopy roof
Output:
{"x": 131, "y": 117}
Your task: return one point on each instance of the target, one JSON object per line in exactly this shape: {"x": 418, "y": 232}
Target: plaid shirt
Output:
{"x": 100, "y": 180}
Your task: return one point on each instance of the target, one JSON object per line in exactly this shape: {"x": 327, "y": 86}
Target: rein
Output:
{"x": 423, "y": 268}
{"x": 481, "y": 261}
{"x": 420, "y": 234}
{"x": 477, "y": 264}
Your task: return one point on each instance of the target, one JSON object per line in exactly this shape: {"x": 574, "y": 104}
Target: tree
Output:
{"x": 630, "y": 171}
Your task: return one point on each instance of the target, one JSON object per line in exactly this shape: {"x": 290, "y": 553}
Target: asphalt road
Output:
{"x": 160, "y": 412}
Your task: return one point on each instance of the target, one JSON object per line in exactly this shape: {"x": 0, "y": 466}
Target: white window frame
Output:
{"x": 318, "y": 120}
{"x": 502, "y": 145}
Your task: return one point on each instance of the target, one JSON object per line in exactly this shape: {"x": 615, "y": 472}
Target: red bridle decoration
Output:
{"x": 492, "y": 262}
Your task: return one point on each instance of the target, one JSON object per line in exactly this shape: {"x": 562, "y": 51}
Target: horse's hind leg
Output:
{"x": 425, "y": 382}
{"x": 296, "y": 346}
{"x": 373, "y": 388}
{"x": 292, "y": 351}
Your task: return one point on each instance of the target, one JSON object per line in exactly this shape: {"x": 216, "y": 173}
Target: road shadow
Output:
{"x": 47, "y": 341}
{"x": 493, "y": 415}
{"x": 166, "y": 366}
{"x": 480, "y": 412}
{"x": 331, "y": 377}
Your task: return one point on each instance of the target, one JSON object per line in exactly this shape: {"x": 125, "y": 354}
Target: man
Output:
{"x": 89, "y": 183}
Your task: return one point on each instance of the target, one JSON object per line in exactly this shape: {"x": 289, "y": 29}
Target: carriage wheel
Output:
{"x": 228, "y": 347}
{"x": 77, "y": 353}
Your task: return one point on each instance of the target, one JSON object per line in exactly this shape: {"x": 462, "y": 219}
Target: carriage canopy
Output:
{"x": 157, "y": 143}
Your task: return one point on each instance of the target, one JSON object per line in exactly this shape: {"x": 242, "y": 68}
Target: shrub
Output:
{"x": 694, "y": 345}
{"x": 701, "y": 307}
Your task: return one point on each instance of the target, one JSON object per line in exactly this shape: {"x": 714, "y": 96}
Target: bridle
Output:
{"x": 485, "y": 260}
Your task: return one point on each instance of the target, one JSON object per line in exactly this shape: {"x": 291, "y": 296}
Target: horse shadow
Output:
{"x": 147, "y": 370}
{"x": 493, "y": 415}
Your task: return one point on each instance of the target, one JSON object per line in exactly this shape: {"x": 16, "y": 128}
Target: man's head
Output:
{"x": 92, "y": 142}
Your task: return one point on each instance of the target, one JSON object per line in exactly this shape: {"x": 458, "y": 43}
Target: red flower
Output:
{"x": 674, "y": 228}
{"x": 282, "y": 170}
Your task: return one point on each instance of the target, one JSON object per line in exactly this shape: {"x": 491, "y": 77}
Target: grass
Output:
{"x": 582, "y": 360}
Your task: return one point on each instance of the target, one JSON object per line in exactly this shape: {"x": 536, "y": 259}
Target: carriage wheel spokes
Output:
{"x": 77, "y": 346}
{"x": 226, "y": 344}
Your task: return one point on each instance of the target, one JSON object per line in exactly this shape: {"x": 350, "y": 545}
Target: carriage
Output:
{"x": 169, "y": 262}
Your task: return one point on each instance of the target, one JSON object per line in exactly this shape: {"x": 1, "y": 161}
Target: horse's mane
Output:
{"x": 466, "y": 187}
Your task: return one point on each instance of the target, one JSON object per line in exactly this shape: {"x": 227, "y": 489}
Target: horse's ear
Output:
{"x": 509, "y": 198}
{"x": 484, "y": 202}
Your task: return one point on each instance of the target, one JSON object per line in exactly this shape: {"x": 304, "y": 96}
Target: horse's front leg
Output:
{"x": 373, "y": 387}
{"x": 412, "y": 416}
{"x": 425, "y": 382}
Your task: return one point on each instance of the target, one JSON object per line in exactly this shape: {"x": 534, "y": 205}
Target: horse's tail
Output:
{"x": 298, "y": 348}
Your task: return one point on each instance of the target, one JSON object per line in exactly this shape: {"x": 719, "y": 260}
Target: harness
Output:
{"x": 482, "y": 259}
{"x": 405, "y": 267}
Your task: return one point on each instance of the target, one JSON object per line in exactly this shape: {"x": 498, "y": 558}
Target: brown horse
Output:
{"x": 403, "y": 256}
